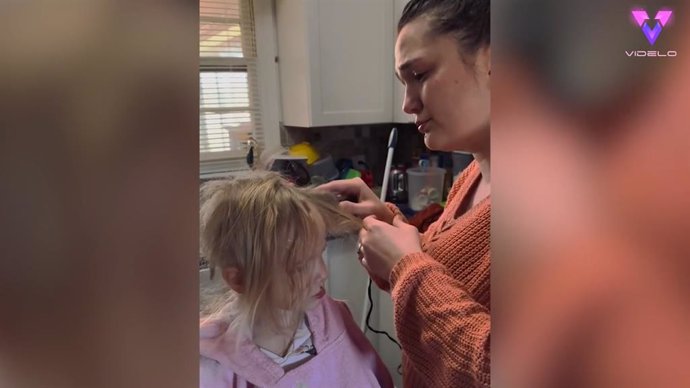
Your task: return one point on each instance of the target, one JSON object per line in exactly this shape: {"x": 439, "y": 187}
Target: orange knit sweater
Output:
{"x": 441, "y": 297}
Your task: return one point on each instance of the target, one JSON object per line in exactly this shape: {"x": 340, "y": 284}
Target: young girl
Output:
{"x": 275, "y": 326}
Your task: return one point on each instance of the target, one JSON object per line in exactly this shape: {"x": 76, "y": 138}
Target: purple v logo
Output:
{"x": 660, "y": 20}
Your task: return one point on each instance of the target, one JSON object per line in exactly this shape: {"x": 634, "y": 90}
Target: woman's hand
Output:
{"x": 367, "y": 203}
{"x": 383, "y": 245}
{"x": 383, "y": 284}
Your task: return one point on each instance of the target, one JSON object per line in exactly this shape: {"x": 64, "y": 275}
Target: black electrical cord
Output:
{"x": 371, "y": 307}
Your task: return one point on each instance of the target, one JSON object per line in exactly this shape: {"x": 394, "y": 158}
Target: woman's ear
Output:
{"x": 484, "y": 60}
{"x": 233, "y": 279}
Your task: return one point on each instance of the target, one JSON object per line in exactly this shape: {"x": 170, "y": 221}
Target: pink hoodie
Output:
{"x": 344, "y": 358}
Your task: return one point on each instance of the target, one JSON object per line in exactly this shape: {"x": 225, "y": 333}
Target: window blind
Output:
{"x": 230, "y": 111}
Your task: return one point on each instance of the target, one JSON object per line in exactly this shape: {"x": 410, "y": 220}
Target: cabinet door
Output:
{"x": 398, "y": 89}
{"x": 336, "y": 61}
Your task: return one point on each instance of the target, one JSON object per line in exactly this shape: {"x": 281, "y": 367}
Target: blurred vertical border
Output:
{"x": 590, "y": 194}
{"x": 99, "y": 193}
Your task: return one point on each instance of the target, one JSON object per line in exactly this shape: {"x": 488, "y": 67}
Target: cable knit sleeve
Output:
{"x": 444, "y": 332}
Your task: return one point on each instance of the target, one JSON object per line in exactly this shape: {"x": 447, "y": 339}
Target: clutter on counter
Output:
{"x": 325, "y": 169}
{"x": 426, "y": 186}
{"x": 304, "y": 149}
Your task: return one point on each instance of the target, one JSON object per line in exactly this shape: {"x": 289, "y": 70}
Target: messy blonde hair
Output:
{"x": 269, "y": 230}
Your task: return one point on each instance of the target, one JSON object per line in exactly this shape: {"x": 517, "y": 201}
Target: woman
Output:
{"x": 439, "y": 281}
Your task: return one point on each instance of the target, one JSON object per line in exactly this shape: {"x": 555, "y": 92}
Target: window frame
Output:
{"x": 266, "y": 83}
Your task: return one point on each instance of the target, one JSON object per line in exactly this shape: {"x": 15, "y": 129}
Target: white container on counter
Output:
{"x": 425, "y": 186}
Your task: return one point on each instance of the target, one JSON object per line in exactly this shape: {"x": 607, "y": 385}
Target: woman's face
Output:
{"x": 450, "y": 99}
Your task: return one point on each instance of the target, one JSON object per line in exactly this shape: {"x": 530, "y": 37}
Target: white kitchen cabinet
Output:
{"x": 335, "y": 59}
{"x": 398, "y": 89}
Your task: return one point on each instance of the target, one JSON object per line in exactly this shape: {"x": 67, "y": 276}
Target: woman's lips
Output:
{"x": 423, "y": 126}
{"x": 320, "y": 294}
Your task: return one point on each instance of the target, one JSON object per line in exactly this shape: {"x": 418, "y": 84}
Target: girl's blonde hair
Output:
{"x": 269, "y": 230}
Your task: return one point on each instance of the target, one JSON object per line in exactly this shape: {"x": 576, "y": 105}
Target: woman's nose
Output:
{"x": 411, "y": 103}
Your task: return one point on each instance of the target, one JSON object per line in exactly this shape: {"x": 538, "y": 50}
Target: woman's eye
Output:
{"x": 418, "y": 76}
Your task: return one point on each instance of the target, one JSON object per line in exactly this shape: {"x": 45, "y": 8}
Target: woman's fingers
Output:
{"x": 343, "y": 187}
{"x": 380, "y": 282}
{"x": 371, "y": 222}
{"x": 362, "y": 236}
{"x": 398, "y": 221}
{"x": 357, "y": 209}
{"x": 350, "y": 207}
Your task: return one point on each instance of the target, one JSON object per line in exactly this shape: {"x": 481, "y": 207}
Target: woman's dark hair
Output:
{"x": 466, "y": 20}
